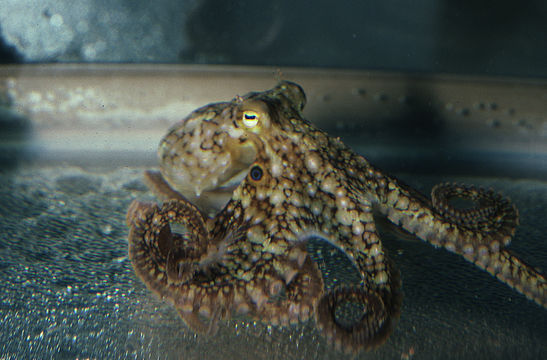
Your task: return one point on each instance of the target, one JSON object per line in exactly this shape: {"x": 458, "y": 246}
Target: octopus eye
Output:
{"x": 250, "y": 118}
{"x": 256, "y": 173}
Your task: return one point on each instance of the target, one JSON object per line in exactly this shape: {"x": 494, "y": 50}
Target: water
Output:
{"x": 68, "y": 291}
{"x": 72, "y": 162}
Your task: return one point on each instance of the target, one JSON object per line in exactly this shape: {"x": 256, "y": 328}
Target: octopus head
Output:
{"x": 209, "y": 153}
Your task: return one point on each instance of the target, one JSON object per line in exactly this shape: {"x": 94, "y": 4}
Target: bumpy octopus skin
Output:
{"x": 247, "y": 183}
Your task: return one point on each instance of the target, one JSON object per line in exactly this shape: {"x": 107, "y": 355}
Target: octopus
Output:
{"x": 247, "y": 184}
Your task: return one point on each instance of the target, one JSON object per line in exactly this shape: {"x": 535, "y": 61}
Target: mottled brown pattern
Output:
{"x": 248, "y": 182}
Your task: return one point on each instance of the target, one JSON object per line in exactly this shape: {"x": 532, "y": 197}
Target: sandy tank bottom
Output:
{"x": 68, "y": 290}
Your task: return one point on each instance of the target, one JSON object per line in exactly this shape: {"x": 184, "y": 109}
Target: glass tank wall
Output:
{"x": 429, "y": 91}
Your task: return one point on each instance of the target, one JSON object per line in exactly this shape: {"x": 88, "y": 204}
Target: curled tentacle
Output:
{"x": 181, "y": 268}
{"x": 478, "y": 233}
{"x": 166, "y": 245}
{"x": 161, "y": 256}
{"x": 492, "y": 219}
{"x": 354, "y": 318}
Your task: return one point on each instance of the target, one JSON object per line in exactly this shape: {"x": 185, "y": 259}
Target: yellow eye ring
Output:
{"x": 250, "y": 118}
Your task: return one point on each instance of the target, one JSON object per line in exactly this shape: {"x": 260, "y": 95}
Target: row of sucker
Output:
{"x": 492, "y": 215}
{"x": 357, "y": 317}
{"x": 167, "y": 261}
{"x": 508, "y": 268}
{"x": 479, "y": 233}
{"x": 354, "y": 314}
{"x": 171, "y": 264}
{"x": 172, "y": 239}
{"x": 496, "y": 218}
{"x": 371, "y": 323}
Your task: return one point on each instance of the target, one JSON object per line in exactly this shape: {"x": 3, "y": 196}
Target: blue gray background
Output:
{"x": 454, "y": 36}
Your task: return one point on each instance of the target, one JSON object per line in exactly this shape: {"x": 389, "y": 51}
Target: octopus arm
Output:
{"x": 206, "y": 287}
{"x": 157, "y": 184}
{"x": 375, "y": 295}
{"x": 509, "y": 269}
{"x": 169, "y": 263}
{"x": 479, "y": 232}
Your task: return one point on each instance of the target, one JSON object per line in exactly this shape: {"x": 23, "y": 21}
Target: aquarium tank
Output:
{"x": 207, "y": 179}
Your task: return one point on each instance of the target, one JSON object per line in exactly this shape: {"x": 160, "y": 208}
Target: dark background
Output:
{"x": 451, "y": 36}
